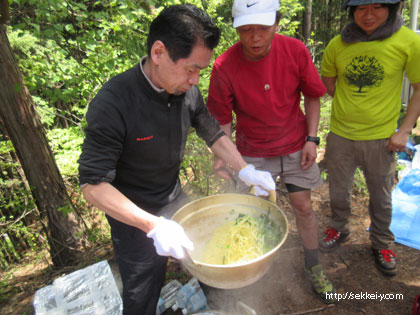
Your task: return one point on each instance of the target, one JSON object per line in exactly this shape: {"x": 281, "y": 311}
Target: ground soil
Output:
{"x": 284, "y": 289}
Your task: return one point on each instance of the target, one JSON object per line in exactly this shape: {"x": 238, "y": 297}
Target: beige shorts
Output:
{"x": 288, "y": 169}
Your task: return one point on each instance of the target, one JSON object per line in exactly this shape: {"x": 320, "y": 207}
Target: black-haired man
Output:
{"x": 135, "y": 140}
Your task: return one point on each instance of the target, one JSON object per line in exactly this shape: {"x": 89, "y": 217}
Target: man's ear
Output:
{"x": 157, "y": 51}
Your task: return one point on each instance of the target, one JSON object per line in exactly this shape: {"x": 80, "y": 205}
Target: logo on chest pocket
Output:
{"x": 145, "y": 138}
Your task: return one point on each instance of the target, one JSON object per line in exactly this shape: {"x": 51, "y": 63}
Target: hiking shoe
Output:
{"x": 322, "y": 287}
{"x": 385, "y": 261}
{"x": 331, "y": 239}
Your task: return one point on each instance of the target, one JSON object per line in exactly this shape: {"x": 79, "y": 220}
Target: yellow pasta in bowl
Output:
{"x": 241, "y": 240}
{"x": 236, "y": 238}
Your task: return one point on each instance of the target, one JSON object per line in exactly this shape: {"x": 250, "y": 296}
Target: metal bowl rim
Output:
{"x": 262, "y": 257}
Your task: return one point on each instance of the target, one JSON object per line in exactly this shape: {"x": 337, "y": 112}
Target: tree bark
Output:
{"x": 23, "y": 126}
{"x": 307, "y": 21}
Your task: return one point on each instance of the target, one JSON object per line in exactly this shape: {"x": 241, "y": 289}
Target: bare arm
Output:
{"x": 262, "y": 181}
{"x": 329, "y": 83}
{"x": 107, "y": 198}
{"x": 399, "y": 139}
{"x": 226, "y": 150}
{"x": 312, "y": 107}
{"x": 227, "y": 129}
{"x": 221, "y": 168}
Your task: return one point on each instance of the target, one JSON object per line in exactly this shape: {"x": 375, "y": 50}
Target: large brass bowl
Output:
{"x": 201, "y": 217}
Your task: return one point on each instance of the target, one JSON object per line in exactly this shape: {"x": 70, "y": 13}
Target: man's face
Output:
{"x": 370, "y": 17}
{"x": 256, "y": 40}
{"x": 178, "y": 77}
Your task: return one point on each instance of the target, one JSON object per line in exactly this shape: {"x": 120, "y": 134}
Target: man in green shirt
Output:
{"x": 362, "y": 69}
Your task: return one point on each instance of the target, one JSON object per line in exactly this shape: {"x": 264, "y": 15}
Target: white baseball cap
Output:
{"x": 259, "y": 12}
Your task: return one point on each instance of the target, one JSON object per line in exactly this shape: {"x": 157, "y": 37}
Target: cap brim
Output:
{"x": 347, "y": 4}
{"x": 267, "y": 18}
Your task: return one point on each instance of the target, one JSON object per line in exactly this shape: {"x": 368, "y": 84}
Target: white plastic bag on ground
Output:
{"x": 91, "y": 290}
{"x": 415, "y": 163}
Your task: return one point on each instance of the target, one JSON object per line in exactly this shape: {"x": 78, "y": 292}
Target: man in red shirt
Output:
{"x": 261, "y": 79}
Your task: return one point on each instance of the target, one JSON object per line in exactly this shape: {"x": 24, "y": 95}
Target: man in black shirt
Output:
{"x": 135, "y": 140}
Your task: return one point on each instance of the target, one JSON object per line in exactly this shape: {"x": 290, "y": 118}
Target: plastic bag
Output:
{"x": 415, "y": 163}
{"x": 409, "y": 161}
{"x": 167, "y": 296}
{"x": 91, "y": 290}
{"x": 406, "y": 209}
{"x": 190, "y": 298}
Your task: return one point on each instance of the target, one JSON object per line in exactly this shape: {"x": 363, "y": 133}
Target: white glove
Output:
{"x": 258, "y": 191}
{"x": 170, "y": 239}
{"x": 251, "y": 177}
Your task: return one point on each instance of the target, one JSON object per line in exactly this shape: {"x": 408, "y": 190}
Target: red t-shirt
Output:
{"x": 265, "y": 96}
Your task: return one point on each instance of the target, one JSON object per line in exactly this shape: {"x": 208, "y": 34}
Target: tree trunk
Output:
{"x": 307, "y": 21}
{"x": 23, "y": 126}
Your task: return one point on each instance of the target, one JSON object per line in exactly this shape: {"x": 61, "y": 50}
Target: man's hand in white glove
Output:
{"x": 170, "y": 239}
{"x": 262, "y": 180}
{"x": 258, "y": 191}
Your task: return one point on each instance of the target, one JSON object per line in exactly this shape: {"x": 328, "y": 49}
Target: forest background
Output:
{"x": 62, "y": 52}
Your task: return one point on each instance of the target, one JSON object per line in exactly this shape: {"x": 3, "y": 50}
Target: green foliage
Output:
{"x": 66, "y": 145}
{"x": 17, "y": 210}
{"x": 15, "y": 200}
{"x": 289, "y": 23}
{"x": 197, "y": 175}
{"x": 5, "y": 147}
{"x": 45, "y": 68}
{"x": 221, "y": 12}
{"x": 67, "y": 50}
{"x": 65, "y": 209}
{"x": 175, "y": 275}
{"x": 324, "y": 119}
{"x": 6, "y": 245}
{"x": 359, "y": 183}
{"x": 400, "y": 167}
{"x": 19, "y": 228}
{"x": 196, "y": 166}
{"x": 47, "y": 113}
{"x": 98, "y": 231}
{"x": 97, "y": 235}
{"x": 4, "y": 287}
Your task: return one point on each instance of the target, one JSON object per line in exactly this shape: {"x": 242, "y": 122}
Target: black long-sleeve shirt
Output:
{"x": 136, "y": 136}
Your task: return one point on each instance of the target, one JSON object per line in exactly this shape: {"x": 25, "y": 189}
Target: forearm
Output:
{"x": 413, "y": 111}
{"x": 227, "y": 129}
{"x": 329, "y": 83}
{"x": 226, "y": 150}
{"x": 107, "y": 198}
{"x": 312, "y": 112}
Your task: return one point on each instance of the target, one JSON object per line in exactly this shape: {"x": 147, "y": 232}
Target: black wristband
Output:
{"x": 313, "y": 139}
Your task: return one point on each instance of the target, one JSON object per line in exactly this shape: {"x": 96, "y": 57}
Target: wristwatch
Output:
{"x": 313, "y": 139}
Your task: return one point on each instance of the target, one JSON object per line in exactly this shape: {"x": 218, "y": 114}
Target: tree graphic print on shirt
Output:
{"x": 364, "y": 71}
